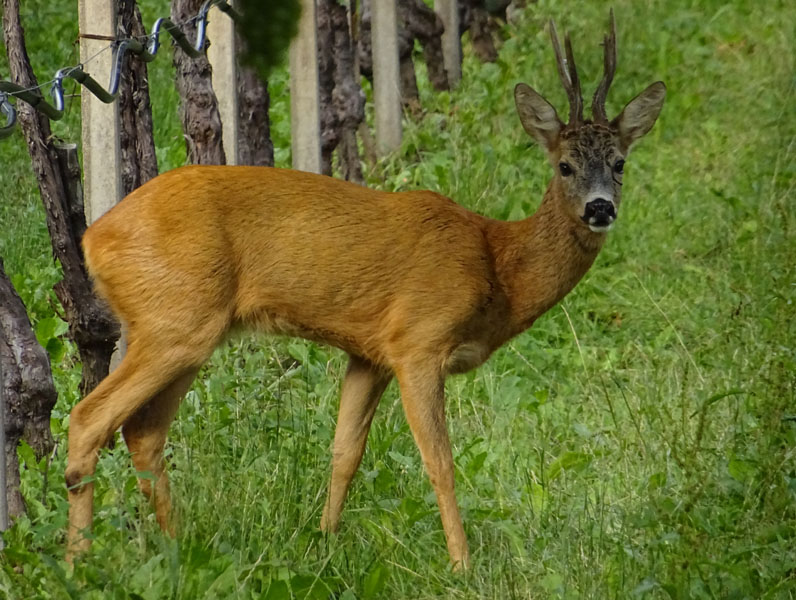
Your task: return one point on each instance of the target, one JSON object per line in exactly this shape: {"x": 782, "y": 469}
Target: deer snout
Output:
{"x": 599, "y": 214}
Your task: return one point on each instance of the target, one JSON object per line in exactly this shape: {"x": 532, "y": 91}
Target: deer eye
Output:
{"x": 619, "y": 166}
{"x": 565, "y": 168}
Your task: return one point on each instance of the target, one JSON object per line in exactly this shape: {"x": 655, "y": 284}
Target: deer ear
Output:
{"x": 538, "y": 117}
{"x": 640, "y": 114}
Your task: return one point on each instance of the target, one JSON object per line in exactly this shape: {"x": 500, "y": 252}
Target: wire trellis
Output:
{"x": 145, "y": 47}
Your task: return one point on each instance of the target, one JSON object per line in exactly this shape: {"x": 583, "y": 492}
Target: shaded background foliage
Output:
{"x": 267, "y": 28}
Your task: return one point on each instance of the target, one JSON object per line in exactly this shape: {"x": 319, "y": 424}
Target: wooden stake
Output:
{"x": 386, "y": 75}
{"x": 304, "y": 105}
{"x": 101, "y": 153}
{"x": 221, "y": 53}
{"x": 448, "y": 11}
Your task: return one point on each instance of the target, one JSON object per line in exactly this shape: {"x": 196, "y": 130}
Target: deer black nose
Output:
{"x": 599, "y": 214}
{"x": 600, "y": 209}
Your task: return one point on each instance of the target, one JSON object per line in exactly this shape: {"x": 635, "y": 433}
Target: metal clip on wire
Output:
{"x": 31, "y": 96}
{"x": 120, "y": 48}
{"x": 11, "y": 116}
{"x": 201, "y": 29}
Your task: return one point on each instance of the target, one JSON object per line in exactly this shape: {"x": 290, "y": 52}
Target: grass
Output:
{"x": 638, "y": 442}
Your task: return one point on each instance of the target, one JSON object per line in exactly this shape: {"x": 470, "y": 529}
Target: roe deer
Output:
{"x": 409, "y": 284}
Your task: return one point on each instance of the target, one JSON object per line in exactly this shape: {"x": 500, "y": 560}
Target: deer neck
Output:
{"x": 540, "y": 259}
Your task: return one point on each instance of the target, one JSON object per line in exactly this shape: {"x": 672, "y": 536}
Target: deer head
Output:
{"x": 588, "y": 156}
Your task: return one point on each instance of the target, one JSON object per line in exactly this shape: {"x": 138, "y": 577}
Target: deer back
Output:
{"x": 293, "y": 253}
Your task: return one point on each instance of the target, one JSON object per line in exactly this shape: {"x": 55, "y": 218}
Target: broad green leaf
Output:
{"x": 375, "y": 581}
{"x": 568, "y": 460}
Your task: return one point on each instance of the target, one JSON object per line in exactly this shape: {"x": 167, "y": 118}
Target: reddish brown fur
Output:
{"x": 219, "y": 237}
{"x": 409, "y": 284}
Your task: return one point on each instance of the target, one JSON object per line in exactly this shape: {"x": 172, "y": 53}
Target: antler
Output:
{"x": 569, "y": 76}
{"x": 609, "y": 60}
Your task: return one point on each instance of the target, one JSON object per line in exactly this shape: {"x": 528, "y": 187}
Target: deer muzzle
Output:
{"x": 599, "y": 214}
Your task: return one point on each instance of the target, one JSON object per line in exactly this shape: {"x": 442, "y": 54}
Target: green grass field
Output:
{"x": 638, "y": 442}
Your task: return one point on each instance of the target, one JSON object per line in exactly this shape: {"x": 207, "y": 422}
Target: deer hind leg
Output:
{"x": 145, "y": 434}
{"x": 363, "y": 386}
{"x": 423, "y": 398}
{"x": 145, "y": 371}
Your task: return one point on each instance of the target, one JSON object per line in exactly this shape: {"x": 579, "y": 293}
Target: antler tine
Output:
{"x": 566, "y": 76}
{"x": 609, "y": 60}
{"x": 576, "y": 101}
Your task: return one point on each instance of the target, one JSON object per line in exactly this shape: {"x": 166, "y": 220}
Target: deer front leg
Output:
{"x": 423, "y": 397}
{"x": 363, "y": 386}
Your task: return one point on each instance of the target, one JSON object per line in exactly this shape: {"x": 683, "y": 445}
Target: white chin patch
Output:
{"x": 601, "y": 228}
